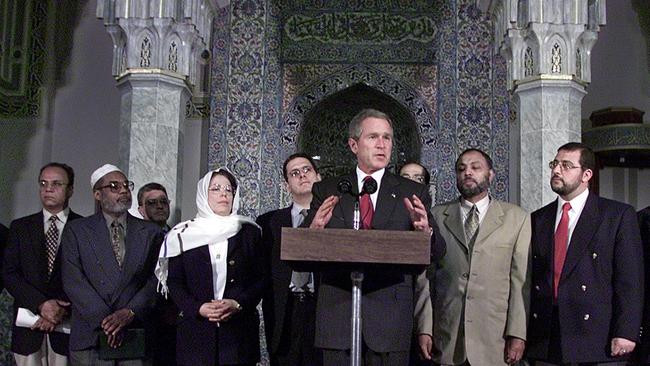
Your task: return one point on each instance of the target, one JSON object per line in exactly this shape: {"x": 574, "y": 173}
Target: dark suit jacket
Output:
{"x": 25, "y": 274}
{"x": 191, "y": 285}
{"x": 277, "y": 294}
{"x": 600, "y": 294}
{"x": 94, "y": 282}
{"x": 387, "y": 303}
{"x": 642, "y": 352}
{"x": 4, "y": 235}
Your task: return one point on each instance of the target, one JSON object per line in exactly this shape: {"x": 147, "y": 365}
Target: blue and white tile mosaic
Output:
{"x": 264, "y": 83}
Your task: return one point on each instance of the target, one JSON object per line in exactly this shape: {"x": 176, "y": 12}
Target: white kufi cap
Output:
{"x": 101, "y": 172}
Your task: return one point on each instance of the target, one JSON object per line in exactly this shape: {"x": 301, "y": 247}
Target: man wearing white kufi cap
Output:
{"x": 108, "y": 266}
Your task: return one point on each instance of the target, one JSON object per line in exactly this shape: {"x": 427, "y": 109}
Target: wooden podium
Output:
{"x": 348, "y": 248}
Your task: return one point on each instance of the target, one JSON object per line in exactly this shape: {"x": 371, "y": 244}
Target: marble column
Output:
{"x": 548, "y": 116}
{"x": 151, "y": 132}
{"x": 547, "y": 45}
{"x": 159, "y": 52}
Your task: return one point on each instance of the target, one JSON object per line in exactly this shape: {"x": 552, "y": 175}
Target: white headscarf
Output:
{"x": 206, "y": 228}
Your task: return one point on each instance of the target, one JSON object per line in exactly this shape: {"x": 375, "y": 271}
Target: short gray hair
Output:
{"x": 354, "y": 129}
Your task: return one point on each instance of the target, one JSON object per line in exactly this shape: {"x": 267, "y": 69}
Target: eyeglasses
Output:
{"x": 219, "y": 188}
{"x": 304, "y": 170}
{"x": 564, "y": 165}
{"x": 116, "y": 186}
{"x": 418, "y": 177}
{"x": 54, "y": 184}
{"x": 156, "y": 202}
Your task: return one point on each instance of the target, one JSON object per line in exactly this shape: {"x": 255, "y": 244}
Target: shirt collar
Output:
{"x": 296, "y": 208}
{"x": 62, "y": 215}
{"x": 577, "y": 203}
{"x": 377, "y": 176}
{"x": 481, "y": 205}
{"x": 109, "y": 219}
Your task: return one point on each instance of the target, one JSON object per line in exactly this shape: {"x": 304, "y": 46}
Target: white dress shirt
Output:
{"x": 377, "y": 177}
{"x": 577, "y": 204}
{"x": 218, "y": 254}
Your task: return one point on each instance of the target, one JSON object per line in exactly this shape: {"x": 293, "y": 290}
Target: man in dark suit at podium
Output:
{"x": 397, "y": 204}
{"x": 289, "y": 304}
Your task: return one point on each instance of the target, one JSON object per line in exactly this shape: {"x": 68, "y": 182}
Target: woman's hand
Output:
{"x": 209, "y": 311}
{"x": 219, "y": 310}
{"x": 227, "y": 308}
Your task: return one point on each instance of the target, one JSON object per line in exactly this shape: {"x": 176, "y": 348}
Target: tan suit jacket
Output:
{"x": 477, "y": 302}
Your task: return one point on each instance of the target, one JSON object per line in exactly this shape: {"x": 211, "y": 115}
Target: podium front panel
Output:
{"x": 356, "y": 246}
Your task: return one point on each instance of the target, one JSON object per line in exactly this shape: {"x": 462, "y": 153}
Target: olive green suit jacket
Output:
{"x": 477, "y": 299}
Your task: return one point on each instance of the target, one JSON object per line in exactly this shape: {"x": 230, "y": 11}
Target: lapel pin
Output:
{"x": 393, "y": 195}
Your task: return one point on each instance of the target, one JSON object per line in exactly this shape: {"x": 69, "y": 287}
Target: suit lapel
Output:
{"x": 585, "y": 229}
{"x": 454, "y": 223}
{"x": 386, "y": 200}
{"x": 37, "y": 238}
{"x": 134, "y": 245}
{"x": 57, "y": 260}
{"x": 493, "y": 220}
{"x": 283, "y": 218}
{"x": 232, "y": 246}
{"x": 545, "y": 241}
{"x": 101, "y": 244}
{"x": 281, "y": 272}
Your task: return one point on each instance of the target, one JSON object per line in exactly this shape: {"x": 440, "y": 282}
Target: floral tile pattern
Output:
{"x": 260, "y": 95}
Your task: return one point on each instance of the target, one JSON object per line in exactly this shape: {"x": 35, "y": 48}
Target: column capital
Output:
{"x": 550, "y": 37}
{"x": 169, "y": 37}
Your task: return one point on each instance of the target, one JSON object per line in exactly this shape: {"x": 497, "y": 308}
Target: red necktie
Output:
{"x": 367, "y": 211}
{"x": 560, "y": 246}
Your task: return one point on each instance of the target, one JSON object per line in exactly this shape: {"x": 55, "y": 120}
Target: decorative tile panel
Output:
{"x": 22, "y": 57}
{"x": 260, "y": 96}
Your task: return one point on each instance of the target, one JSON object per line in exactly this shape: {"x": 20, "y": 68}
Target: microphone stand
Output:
{"x": 357, "y": 281}
{"x": 345, "y": 186}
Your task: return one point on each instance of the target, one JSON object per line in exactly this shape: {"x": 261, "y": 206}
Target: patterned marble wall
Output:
{"x": 267, "y": 75}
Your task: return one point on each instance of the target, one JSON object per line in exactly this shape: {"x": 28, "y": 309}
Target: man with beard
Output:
{"x": 153, "y": 204}
{"x": 587, "y": 271}
{"x": 482, "y": 284}
{"x": 290, "y": 302}
{"x": 108, "y": 263}
{"x": 32, "y": 271}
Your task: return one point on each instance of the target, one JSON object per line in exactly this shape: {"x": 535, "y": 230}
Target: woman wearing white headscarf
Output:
{"x": 214, "y": 270}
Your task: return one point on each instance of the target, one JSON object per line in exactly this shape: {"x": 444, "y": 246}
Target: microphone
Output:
{"x": 344, "y": 186}
{"x": 369, "y": 186}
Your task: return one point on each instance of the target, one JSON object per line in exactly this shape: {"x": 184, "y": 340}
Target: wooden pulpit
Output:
{"x": 348, "y": 249}
{"x": 356, "y": 246}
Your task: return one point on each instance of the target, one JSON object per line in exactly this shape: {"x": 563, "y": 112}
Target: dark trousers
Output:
{"x": 555, "y": 348}
{"x": 334, "y": 357}
{"x": 296, "y": 346}
{"x": 164, "y": 337}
